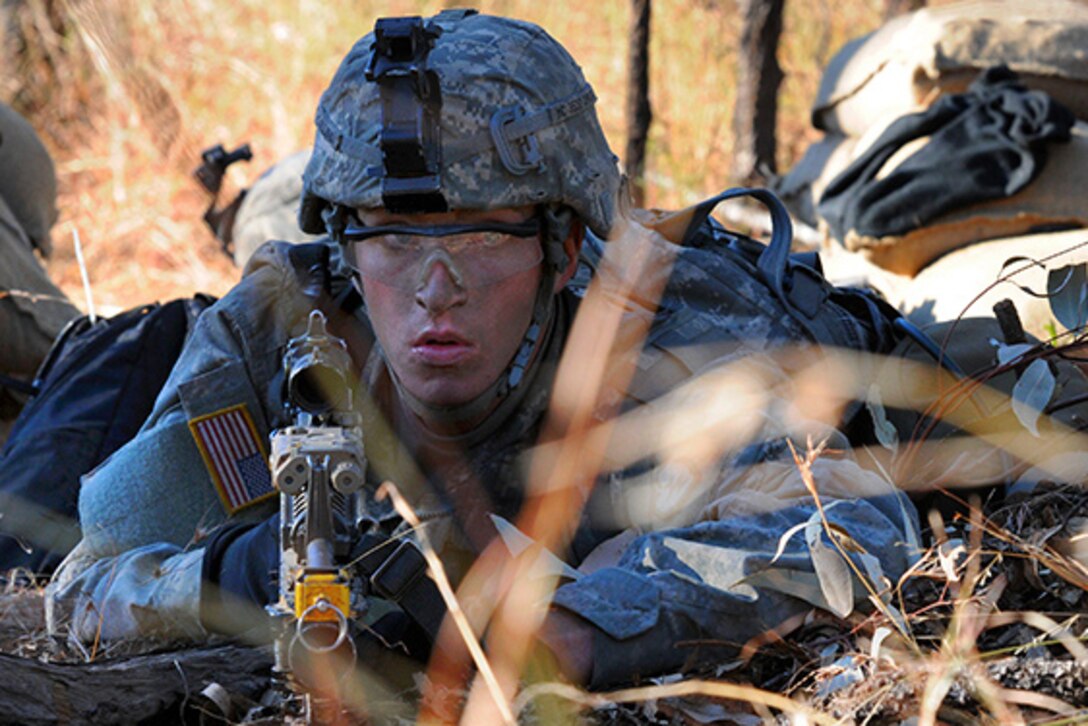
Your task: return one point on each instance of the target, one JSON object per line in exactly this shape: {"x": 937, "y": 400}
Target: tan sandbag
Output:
{"x": 903, "y": 66}
{"x": 1054, "y": 199}
{"x": 947, "y": 289}
{"x": 851, "y": 269}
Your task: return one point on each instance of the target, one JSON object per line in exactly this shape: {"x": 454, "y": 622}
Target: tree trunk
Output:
{"x": 893, "y": 8}
{"x": 36, "y": 688}
{"x": 639, "y": 112}
{"x": 154, "y": 688}
{"x": 758, "y": 78}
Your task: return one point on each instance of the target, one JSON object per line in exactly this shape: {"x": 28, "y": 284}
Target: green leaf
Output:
{"x": 785, "y": 538}
{"x": 1051, "y": 331}
{"x": 878, "y": 638}
{"x": 836, "y": 581}
{"x": 1008, "y": 353}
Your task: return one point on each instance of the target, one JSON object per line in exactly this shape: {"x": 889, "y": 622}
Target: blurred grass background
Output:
{"x": 127, "y": 92}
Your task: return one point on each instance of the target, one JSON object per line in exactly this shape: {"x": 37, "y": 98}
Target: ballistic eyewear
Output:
{"x": 476, "y": 255}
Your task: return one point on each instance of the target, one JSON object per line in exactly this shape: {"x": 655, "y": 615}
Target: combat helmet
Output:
{"x": 459, "y": 111}
{"x": 464, "y": 111}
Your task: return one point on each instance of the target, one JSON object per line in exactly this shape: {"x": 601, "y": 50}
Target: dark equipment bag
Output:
{"x": 94, "y": 391}
{"x": 841, "y": 317}
{"x": 725, "y": 287}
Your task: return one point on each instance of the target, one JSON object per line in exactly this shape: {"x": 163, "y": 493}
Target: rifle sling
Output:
{"x": 400, "y": 576}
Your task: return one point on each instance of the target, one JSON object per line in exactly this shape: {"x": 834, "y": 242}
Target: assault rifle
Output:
{"x": 318, "y": 466}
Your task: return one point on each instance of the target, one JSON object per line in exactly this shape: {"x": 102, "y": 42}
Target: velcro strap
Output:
{"x": 553, "y": 114}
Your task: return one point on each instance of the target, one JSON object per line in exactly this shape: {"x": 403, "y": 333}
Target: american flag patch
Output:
{"x": 232, "y": 450}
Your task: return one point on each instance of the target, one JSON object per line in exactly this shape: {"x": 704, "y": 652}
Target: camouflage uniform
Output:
{"x": 709, "y": 573}
{"x": 137, "y": 571}
{"x": 32, "y": 309}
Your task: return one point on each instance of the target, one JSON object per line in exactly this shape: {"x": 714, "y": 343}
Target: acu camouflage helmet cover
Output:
{"x": 513, "y": 124}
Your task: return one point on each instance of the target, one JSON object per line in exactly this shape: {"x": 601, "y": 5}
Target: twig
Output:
{"x": 731, "y": 691}
{"x": 958, "y": 654}
{"x": 804, "y": 466}
{"x": 185, "y": 685}
{"x": 434, "y": 565}
{"x": 84, "y": 275}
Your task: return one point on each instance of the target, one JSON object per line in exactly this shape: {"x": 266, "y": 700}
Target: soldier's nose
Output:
{"x": 440, "y": 286}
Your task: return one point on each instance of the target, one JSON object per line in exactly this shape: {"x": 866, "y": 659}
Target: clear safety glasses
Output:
{"x": 476, "y": 255}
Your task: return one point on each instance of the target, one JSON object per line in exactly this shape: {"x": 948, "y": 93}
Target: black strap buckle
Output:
{"x": 399, "y": 571}
{"x": 518, "y": 155}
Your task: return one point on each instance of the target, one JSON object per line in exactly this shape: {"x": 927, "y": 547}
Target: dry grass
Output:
{"x": 126, "y": 94}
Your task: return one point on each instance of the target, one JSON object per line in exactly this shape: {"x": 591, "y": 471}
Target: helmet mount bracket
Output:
{"x": 411, "y": 104}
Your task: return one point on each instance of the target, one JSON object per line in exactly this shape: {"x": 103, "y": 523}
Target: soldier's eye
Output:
{"x": 398, "y": 242}
{"x": 492, "y": 239}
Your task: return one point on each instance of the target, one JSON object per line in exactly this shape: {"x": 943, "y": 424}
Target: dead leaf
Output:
{"x": 1032, "y": 393}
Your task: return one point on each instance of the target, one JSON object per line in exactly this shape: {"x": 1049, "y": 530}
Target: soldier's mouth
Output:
{"x": 441, "y": 348}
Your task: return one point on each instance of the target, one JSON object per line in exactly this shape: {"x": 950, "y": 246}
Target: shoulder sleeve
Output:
{"x": 201, "y": 455}
{"x": 144, "y": 510}
{"x": 148, "y": 591}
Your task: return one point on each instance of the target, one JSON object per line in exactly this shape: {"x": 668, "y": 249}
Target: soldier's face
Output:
{"x": 447, "y": 331}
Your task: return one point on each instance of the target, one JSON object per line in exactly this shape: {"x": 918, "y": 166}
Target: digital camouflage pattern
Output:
{"x": 483, "y": 63}
{"x": 684, "y": 573}
{"x": 701, "y": 561}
